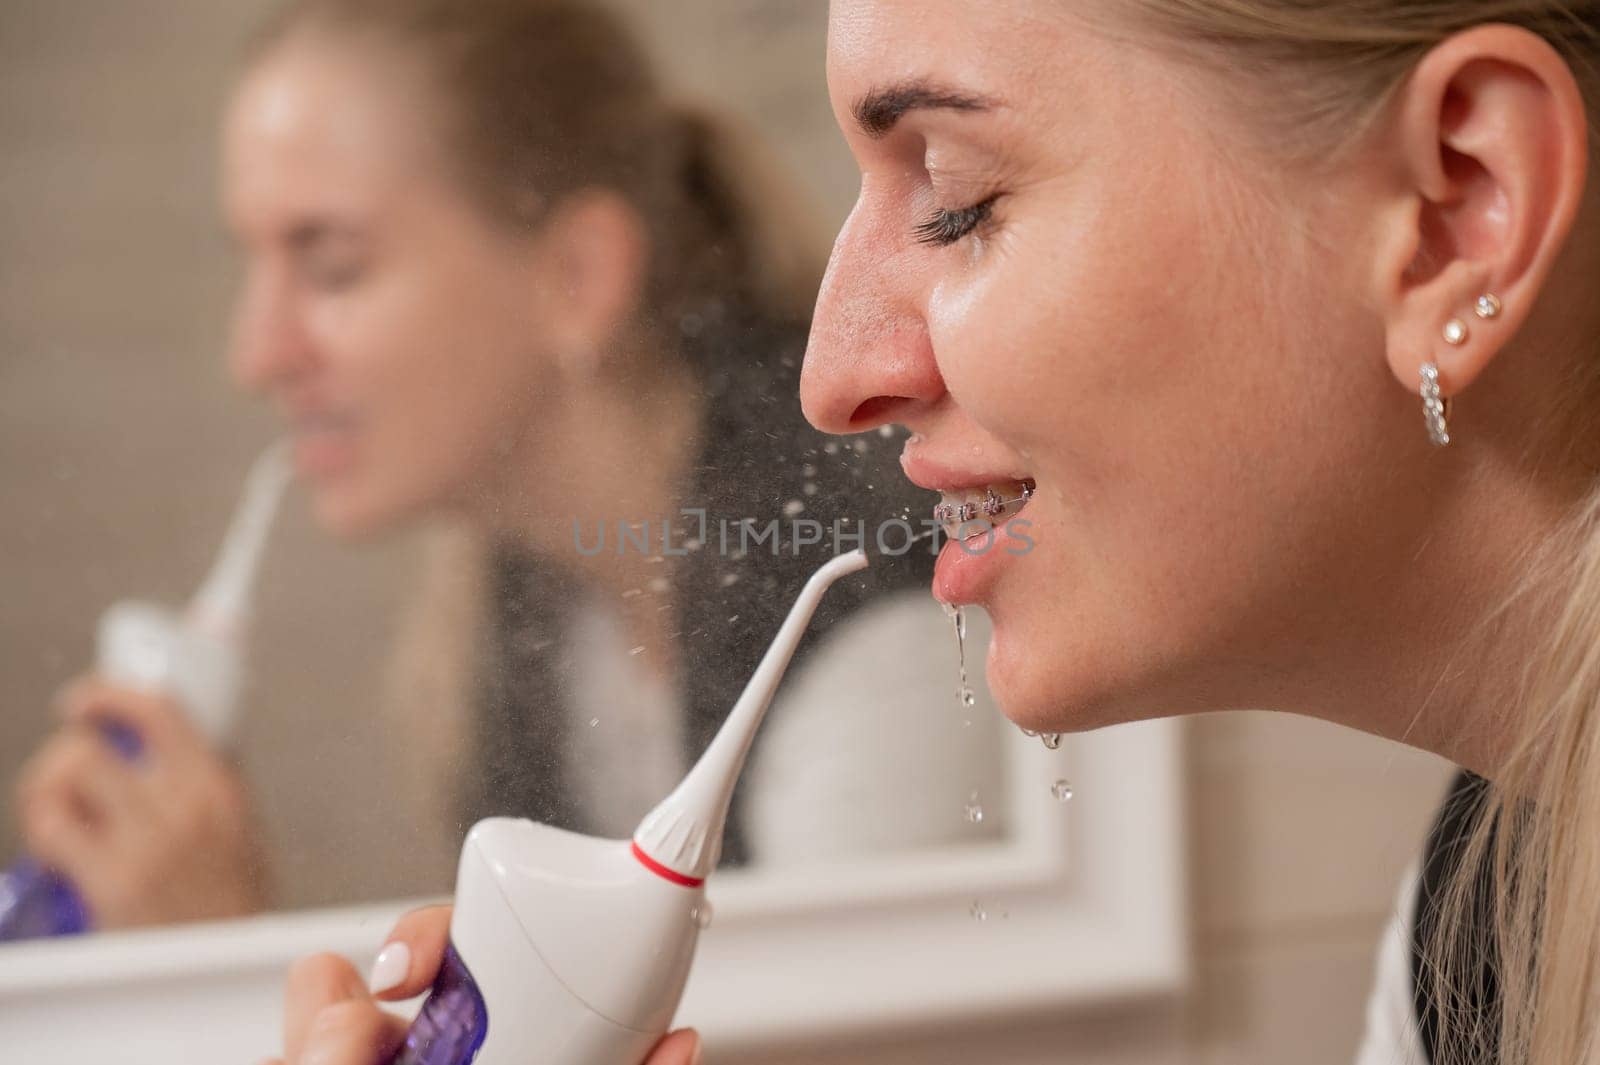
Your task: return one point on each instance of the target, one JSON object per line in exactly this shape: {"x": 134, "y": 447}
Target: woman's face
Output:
{"x": 392, "y": 323}
{"x": 1065, "y": 267}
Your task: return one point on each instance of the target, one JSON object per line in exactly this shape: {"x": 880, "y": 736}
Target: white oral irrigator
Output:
{"x": 196, "y": 656}
{"x": 570, "y": 950}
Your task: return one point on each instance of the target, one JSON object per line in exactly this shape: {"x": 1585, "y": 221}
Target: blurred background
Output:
{"x": 122, "y": 445}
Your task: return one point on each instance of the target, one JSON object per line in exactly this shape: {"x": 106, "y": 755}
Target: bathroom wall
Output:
{"x": 120, "y": 437}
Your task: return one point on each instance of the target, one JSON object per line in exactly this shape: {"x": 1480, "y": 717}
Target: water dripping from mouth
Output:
{"x": 964, "y": 692}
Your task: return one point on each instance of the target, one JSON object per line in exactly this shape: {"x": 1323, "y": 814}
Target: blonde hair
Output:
{"x": 1330, "y": 67}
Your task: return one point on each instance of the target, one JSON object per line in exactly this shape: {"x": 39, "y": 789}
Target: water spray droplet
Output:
{"x": 793, "y": 508}
{"x": 729, "y": 579}
{"x": 885, "y": 431}
{"x": 1028, "y": 732}
{"x": 701, "y": 915}
{"x": 637, "y": 650}
{"x": 978, "y": 912}
{"x": 958, "y": 616}
{"x": 1062, "y": 790}
{"x": 594, "y": 721}
{"x": 1052, "y": 740}
{"x": 974, "y": 813}
{"x": 809, "y": 488}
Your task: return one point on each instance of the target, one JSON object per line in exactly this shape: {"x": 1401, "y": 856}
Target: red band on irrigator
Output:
{"x": 662, "y": 871}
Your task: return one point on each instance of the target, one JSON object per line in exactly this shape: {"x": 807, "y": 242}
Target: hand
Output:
{"x": 166, "y": 838}
{"x": 330, "y": 1017}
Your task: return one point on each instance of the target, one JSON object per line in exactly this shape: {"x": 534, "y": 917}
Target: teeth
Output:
{"x": 977, "y": 510}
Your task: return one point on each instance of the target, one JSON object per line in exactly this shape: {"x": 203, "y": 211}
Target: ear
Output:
{"x": 1491, "y": 147}
{"x": 596, "y": 251}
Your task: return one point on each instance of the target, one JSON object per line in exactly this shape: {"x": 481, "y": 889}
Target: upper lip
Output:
{"x": 937, "y": 476}
{"x": 299, "y": 411}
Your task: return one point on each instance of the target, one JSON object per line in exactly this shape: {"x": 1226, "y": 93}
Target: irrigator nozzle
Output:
{"x": 222, "y": 603}
{"x": 683, "y": 835}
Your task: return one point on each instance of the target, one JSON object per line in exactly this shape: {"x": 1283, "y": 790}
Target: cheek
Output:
{"x": 1127, "y": 348}
{"x": 1117, "y": 333}
{"x": 436, "y": 367}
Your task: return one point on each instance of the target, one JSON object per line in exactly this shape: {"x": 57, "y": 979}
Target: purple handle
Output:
{"x": 450, "y": 1027}
{"x": 35, "y": 902}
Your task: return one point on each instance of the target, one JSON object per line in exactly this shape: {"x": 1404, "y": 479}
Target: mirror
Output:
{"x": 553, "y": 485}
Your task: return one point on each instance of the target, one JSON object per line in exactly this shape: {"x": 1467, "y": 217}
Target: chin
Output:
{"x": 1045, "y": 686}
{"x": 350, "y": 519}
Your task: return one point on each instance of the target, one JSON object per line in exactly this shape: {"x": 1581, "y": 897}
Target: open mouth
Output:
{"x": 977, "y": 511}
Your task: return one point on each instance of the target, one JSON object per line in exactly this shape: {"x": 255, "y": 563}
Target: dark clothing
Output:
{"x": 760, "y": 461}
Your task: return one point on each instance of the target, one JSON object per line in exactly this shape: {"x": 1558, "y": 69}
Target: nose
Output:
{"x": 269, "y": 344}
{"x": 869, "y": 361}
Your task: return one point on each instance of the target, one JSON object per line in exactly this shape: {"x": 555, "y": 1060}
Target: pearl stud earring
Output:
{"x": 1455, "y": 332}
{"x": 1487, "y": 306}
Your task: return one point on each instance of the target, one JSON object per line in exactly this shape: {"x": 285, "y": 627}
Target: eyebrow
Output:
{"x": 879, "y": 110}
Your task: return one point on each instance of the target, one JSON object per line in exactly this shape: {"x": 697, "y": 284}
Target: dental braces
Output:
{"x": 991, "y": 507}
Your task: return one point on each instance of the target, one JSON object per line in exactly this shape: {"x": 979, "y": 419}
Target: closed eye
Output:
{"x": 946, "y": 227}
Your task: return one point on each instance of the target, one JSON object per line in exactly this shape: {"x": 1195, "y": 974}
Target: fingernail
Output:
{"x": 390, "y": 970}
{"x": 699, "y": 1052}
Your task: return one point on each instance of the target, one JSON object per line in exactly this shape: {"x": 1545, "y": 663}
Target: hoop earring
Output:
{"x": 1435, "y": 409}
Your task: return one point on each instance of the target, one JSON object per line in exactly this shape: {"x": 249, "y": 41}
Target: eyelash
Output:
{"x": 334, "y": 273}
{"x": 947, "y": 226}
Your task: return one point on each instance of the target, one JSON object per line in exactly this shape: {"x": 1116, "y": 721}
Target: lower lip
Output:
{"x": 323, "y": 453}
{"x": 966, "y": 572}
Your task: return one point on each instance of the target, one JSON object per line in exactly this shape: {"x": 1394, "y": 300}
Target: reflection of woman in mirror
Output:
{"x": 1206, "y": 271}
{"x": 494, "y": 278}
